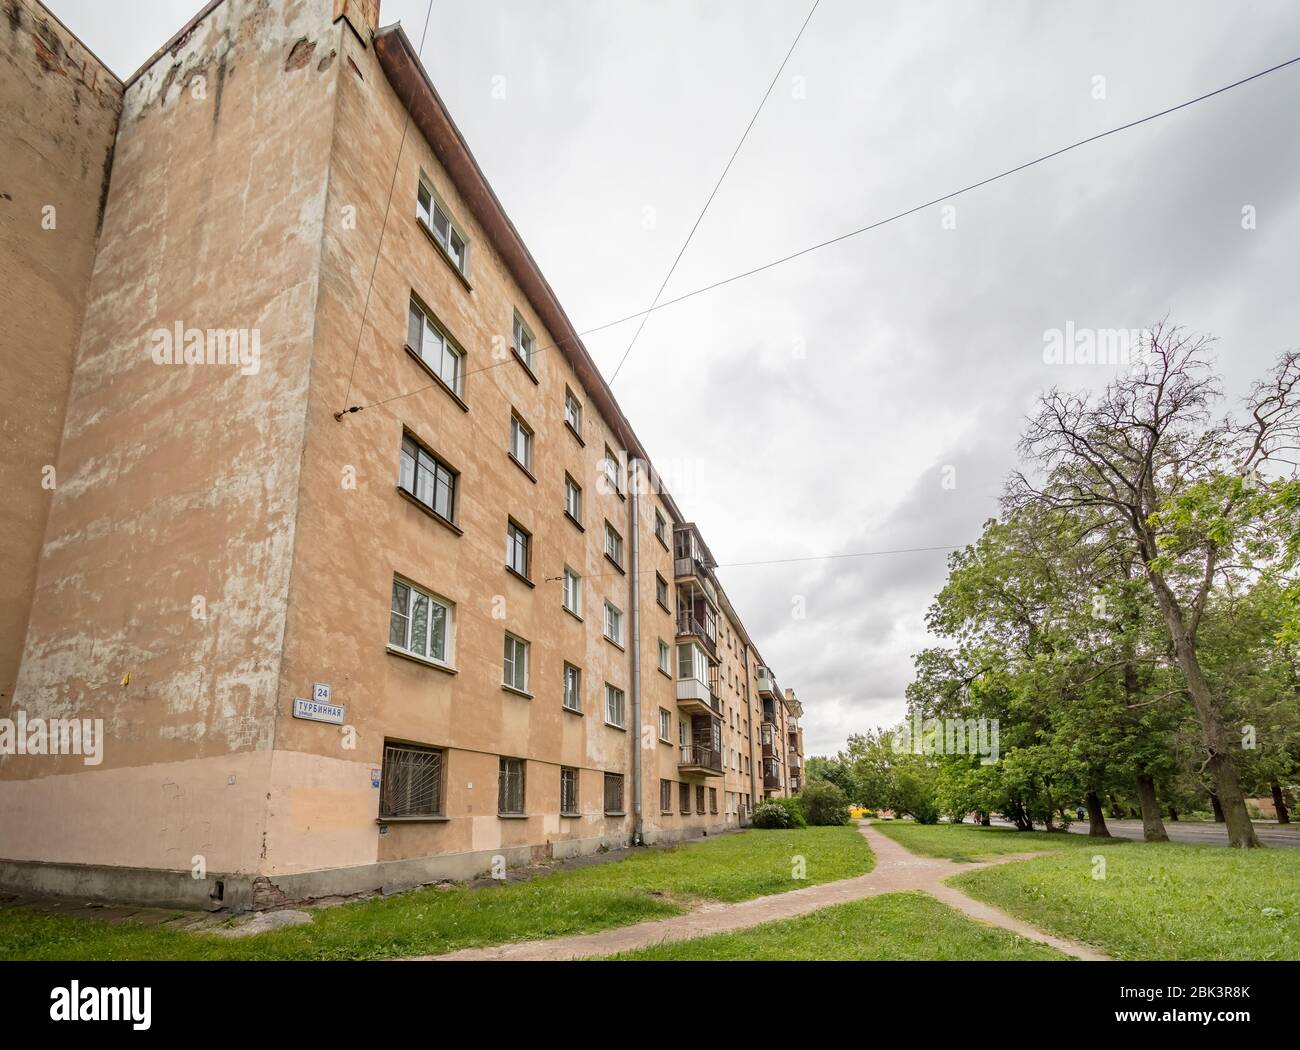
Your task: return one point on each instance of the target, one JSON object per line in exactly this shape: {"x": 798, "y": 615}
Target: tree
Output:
{"x": 1146, "y": 455}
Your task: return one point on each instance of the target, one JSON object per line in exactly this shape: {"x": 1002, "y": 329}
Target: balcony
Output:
{"x": 793, "y": 761}
{"x": 688, "y": 626}
{"x": 771, "y": 740}
{"x": 699, "y": 698}
{"x": 767, "y": 683}
{"x": 695, "y": 758}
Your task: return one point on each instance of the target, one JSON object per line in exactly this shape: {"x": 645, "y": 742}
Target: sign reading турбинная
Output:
{"x": 318, "y": 708}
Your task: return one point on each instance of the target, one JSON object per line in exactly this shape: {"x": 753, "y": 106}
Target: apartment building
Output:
{"x": 376, "y": 585}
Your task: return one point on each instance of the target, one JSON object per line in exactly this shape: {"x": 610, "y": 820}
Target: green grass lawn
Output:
{"x": 970, "y": 842}
{"x": 644, "y": 885}
{"x": 1158, "y": 900}
{"x": 894, "y": 927}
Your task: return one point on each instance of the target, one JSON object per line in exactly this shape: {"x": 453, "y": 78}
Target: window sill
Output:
{"x": 432, "y": 819}
{"x": 528, "y": 369}
{"x": 616, "y": 645}
{"x": 666, "y": 743}
{"x": 424, "y": 660}
{"x": 666, "y": 674}
{"x": 665, "y": 812}
{"x": 571, "y": 613}
{"x": 442, "y": 254}
{"x": 437, "y": 378}
{"x": 527, "y": 473}
{"x": 662, "y": 543}
{"x": 616, "y": 565}
{"x": 616, "y": 813}
{"x": 621, "y": 729}
{"x": 572, "y": 430}
{"x": 570, "y": 816}
{"x": 512, "y": 816}
{"x": 573, "y": 711}
{"x": 445, "y": 522}
{"x": 518, "y": 692}
{"x": 519, "y": 576}
{"x": 576, "y": 523}
{"x": 663, "y": 607}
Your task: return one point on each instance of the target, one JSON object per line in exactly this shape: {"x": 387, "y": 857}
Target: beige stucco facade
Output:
{"x": 226, "y": 536}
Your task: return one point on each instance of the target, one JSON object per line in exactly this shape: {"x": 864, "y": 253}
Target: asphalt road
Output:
{"x": 1286, "y": 836}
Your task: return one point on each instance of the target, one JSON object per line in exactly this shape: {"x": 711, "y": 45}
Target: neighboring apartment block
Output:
{"x": 349, "y": 546}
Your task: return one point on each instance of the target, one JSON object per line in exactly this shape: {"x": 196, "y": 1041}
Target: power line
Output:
{"x": 392, "y": 186}
{"x": 734, "y": 153}
{"x": 863, "y": 229}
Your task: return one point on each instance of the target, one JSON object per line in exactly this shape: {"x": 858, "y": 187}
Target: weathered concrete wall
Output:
{"x": 58, "y": 116}
{"x": 162, "y": 589}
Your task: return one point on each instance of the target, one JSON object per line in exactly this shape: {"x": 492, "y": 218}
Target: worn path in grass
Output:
{"x": 896, "y": 870}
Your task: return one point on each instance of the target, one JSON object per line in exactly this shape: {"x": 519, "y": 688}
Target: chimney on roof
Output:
{"x": 362, "y": 16}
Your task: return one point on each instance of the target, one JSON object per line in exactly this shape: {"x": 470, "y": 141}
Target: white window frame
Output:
{"x": 616, "y": 700}
{"x": 613, "y": 622}
{"x": 443, "y": 478}
{"x": 439, "y": 352}
{"x": 572, "y": 411}
{"x": 613, "y": 471}
{"x": 512, "y": 650}
{"x": 523, "y": 342}
{"x": 665, "y": 658}
{"x": 613, "y": 545}
{"x": 521, "y": 440}
{"x": 572, "y": 498}
{"x": 428, "y": 215}
{"x": 518, "y": 538}
{"x": 665, "y": 725}
{"x": 572, "y": 591}
{"x": 576, "y": 679}
{"x": 407, "y": 618}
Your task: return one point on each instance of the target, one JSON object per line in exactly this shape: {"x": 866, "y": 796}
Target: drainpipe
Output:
{"x": 753, "y": 757}
{"x": 635, "y": 599}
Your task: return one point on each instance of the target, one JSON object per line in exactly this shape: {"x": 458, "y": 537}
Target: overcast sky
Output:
{"x": 813, "y": 409}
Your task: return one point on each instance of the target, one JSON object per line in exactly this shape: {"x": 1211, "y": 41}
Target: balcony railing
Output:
{"x": 701, "y": 758}
{"x": 793, "y": 760}
{"x": 688, "y": 625}
{"x": 698, "y": 697}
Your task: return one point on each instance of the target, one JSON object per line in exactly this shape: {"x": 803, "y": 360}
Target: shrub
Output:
{"x": 771, "y": 814}
{"x": 795, "y": 808}
{"x": 824, "y": 804}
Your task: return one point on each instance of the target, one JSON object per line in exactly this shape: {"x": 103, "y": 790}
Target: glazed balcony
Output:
{"x": 771, "y": 775}
{"x": 690, "y": 627}
{"x": 700, "y": 698}
{"x": 771, "y": 740}
{"x": 767, "y": 684}
{"x": 696, "y": 758}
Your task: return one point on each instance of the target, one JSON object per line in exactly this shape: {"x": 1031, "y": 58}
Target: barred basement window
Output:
{"x": 699, "y": 798}
{"x": 666, "y": 796}
{"x": 613, "y": 793}
{"x": 568, "y": 791}
{"x": 411, "y": 781}
{"x": 684, "y": 798}
{"x": 510, "y": 787}
{"x": 713, "y": 800}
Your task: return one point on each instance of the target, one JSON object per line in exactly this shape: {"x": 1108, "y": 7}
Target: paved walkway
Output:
{"x": 896, "y": 870}
{"x": 1269, "y": 833}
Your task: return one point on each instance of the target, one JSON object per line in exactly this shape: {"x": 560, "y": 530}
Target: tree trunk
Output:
{"x": 1217, "y": 806}
{"x": 986, "y": 820}
{"x": 1279, "y": 803}
{"x": 1096, "y": 818}
{"x": 1173, "y": 814}
{"x": 1214, "y": 734}
{"x": 1153, "y": 828}
{"x": 1114, "y": 808}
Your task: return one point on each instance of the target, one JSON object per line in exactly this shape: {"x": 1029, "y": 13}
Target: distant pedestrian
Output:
{"x": 1079, "y": 811}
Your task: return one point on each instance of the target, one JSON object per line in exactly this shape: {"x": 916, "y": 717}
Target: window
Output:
{"x": 665, "y": 726}
{"x": 613, "y": 623}
{"x": 613, "y": 793}
{"x": 572, "y": 687}
{"x": 411, "y": 781}
{"x": 430, "y": 211}
{"x": 524, "y": 342}
{"x": 521, "y": 442}
{"x": 661, "y": 590}
{"x": 419, "y": 623}
{"x": 612, "y": 473}
{"x": 572, "y": 591}
{"x": 573, "y": 411}
{"x": 692, "y": 663}
{"x": 613, "y": 545}
{"x": 510, "y": 787}
{"x": 683, "y": 737}
{"x": 684, "y": 798}
{"x": 665, "y": 658}
{"x": 661, "y": 528}
{"x": 614, "y": 706}
{"x": 435, "y": 348}
{"x": 713, "y": 800}
{"x": 572, "y": 499}
{"x": 568, "y": 791}
{"x": 699, "y": 798}
{"x": 427, "y": 478}
{"x": 517, "y": 543}
{"x": 665, "y": 796}
{"x": 515, "y": 669}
